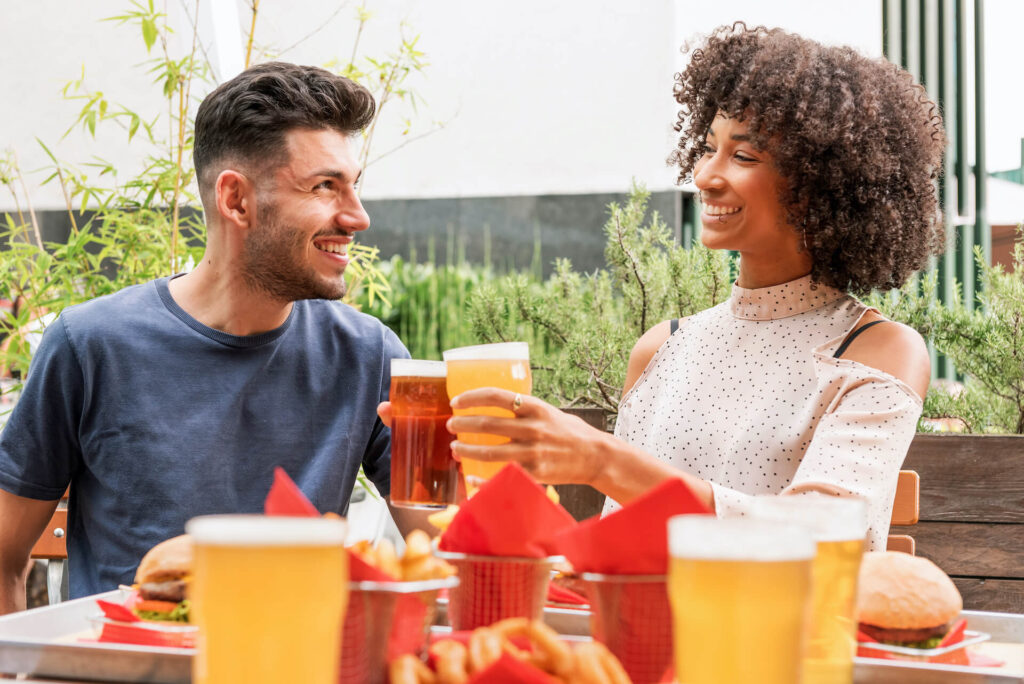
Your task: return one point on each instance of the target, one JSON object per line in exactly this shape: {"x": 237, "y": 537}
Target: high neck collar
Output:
{"x": 780, "y": 301}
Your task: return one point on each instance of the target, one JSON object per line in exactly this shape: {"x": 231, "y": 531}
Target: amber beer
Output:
{"x": 505, "y": 365}
{"x": 839, "y": 528}
{"x": 739, "y": 591}
{"x": 423, "y": 472}
{"x": 268, "y": 596}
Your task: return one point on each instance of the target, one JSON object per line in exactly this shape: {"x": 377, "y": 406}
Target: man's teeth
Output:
{"x": 332, "y": 247}
{"x": 719, "y": 211}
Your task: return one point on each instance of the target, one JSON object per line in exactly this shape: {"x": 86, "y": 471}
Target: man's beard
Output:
{"x": 271, "y": 262}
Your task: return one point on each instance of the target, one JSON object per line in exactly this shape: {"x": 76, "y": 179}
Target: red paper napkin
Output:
{"x": 361, "y": 571}
{"x": 557, "y": 594}
{"x": 632, "y": 540}
{"x": 510, "y": 515}
{"x": 509, "y": 669}
{"x": 954, "y": 636}
{"x": 115, "y": 611}
{"x": 285, "y": 498}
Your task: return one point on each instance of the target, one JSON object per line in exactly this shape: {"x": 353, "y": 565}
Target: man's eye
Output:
{"x": 325, "y": 185}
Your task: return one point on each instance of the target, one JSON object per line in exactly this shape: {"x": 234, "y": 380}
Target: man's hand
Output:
{"x": 22, "y": 520}
{"x": 384, "y": 411}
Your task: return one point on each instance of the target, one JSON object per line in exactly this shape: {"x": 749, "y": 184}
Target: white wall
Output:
{"x": 537, "y": 97}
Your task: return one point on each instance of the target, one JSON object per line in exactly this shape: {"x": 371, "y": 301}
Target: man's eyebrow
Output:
{"x": 334, "y": 173}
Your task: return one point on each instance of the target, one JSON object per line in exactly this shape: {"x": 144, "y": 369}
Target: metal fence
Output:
{"x": 932, "y": 40}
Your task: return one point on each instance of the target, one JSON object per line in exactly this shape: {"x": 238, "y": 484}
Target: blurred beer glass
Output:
{"x": 505, "y": 365}
{"x": 268, "y": 595}
{"x": 739, "y": 590}
{"x": 839, "y": 527}
{"x": 423, "y": 472}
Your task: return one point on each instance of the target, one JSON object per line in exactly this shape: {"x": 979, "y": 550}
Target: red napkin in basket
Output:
{"x": 510, "y": 515}
{"x": 285, "y": 498}
{"x": 509, "y": 669}
{"x": 632, "y": 540}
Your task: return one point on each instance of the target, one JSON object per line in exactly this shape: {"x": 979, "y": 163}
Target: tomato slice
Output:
{"x": 155, "y": 606}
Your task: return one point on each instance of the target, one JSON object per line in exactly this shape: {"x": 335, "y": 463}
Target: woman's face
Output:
{"x": 739, "y": 190}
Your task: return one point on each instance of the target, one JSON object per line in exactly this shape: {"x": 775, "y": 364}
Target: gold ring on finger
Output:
{"x": 517, "y": 402}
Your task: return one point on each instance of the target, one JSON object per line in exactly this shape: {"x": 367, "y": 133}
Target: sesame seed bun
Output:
{"x": 900, "y": 591}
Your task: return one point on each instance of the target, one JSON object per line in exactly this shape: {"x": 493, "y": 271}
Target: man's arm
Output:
{"x": 22, "y": 520}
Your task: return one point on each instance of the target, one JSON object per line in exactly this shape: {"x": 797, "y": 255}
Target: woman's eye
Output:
{"x": 744, "y": 158}
{"x": 706, "y": 149}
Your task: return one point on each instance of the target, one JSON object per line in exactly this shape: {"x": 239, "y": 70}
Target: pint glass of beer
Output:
{"x": 739, "y": 590}
{"x": 505, "y": 365}
{"x": 839, "y": 527}
{"x": 268, "y": 595}
{"x": 423, "y": 472}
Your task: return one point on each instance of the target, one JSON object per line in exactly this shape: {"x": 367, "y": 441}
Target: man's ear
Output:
{"x": 235, "y": 198}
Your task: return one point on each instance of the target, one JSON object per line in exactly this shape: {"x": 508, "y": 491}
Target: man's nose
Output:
{"x": 353, "y": 216}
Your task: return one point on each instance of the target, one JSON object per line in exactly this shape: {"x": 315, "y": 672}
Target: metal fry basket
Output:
{"x": 385, "y": 620}
{"x": 630, "y": 614}
{"x": 492, "y": 588}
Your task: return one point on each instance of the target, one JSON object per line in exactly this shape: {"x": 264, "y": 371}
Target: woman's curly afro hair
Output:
{"x": 857, "y": 142}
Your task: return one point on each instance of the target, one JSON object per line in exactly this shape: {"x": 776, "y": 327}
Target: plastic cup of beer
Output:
{"x": 268, "y": 595}
{"x": 739, "y": 590}
{"x": 504, "y": 365}
{"x": 423, "y": 472}
{"x": 839, "y": 527}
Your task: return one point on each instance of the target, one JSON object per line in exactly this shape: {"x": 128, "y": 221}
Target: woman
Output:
{"x": 817, "y": 165}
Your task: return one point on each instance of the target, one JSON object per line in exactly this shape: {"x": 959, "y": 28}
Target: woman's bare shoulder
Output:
{"x": 893, "y": 348}
{"x": 643, "y": 351}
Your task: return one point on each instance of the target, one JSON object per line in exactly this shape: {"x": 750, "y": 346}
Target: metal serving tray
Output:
{"x": 46, "y": 642}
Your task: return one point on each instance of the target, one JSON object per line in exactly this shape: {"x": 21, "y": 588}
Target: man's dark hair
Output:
{"x": 857, "y": 143}
{"x": 246, "y": 119}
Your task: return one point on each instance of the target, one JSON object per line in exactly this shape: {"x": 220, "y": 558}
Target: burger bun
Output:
{"x": 168, "y": 560}
{"x": 898, "y": 591}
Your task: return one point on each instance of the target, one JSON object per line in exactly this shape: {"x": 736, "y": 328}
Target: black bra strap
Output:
{"x": 673, "y": 325}
{"x": 853, "y": 336}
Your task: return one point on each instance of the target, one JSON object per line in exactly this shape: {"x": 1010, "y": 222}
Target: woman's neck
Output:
{"x": 756, "y": 273}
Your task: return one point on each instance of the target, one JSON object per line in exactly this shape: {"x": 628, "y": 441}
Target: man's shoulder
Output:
{"x": 110, "y": 308}
{"x": 350, "y": 322}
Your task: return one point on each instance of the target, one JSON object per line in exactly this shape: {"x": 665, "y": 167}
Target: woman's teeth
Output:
{"x": 712, "y": 210}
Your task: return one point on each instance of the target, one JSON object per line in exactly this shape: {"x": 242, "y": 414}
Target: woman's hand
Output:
{"x": 553, "y": 446}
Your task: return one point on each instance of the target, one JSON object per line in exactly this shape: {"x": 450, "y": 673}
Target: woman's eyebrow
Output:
{"x": 742, "y": 137}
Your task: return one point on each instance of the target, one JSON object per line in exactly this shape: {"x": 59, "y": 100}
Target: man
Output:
{"x": 178, "y": 397}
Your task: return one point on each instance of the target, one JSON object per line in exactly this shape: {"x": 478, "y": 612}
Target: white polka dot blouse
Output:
{"x": 748, "y": 395}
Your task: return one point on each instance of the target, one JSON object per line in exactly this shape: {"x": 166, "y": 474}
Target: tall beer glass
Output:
{"x": 839, "y": 527}
{"x": 268, "y": 595}
{"x": 739, "y": 591}
{"x": 423, "y": 472}
{"x": 505, "y": 365}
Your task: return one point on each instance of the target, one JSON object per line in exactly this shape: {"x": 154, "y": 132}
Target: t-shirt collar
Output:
{"x": 780, "y": 301}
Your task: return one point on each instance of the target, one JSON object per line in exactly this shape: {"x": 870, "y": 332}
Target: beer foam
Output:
{"x": 516, "y": 351}
{"x": 266, "y": 530}
{"x": 706, "y": 537}
{"x": 829, "y": 518}
{"x": 418, "y": 368}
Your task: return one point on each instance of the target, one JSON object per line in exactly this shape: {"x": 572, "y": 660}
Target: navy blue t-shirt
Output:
{"x": 155, "y": 418}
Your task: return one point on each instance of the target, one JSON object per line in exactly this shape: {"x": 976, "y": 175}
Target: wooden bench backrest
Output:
{"x": 905, "y": 510}
{"x": 52, "y": 543}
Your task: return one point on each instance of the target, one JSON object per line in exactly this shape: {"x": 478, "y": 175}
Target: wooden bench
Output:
{"x": 52, "y": 547}
{"x": 972, "y": 515}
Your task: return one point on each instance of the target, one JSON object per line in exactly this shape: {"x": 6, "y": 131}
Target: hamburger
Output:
{"x": 905, "y": 600}
{"x": 161, "y": 582}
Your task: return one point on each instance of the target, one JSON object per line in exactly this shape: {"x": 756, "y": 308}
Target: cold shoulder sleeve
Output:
{"x": 857, "y": 447}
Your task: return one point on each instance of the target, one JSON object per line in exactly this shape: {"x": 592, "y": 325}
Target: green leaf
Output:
{"x": 149, "y": 32}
